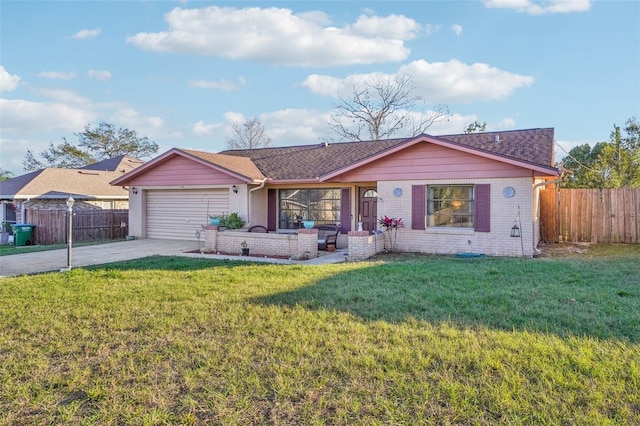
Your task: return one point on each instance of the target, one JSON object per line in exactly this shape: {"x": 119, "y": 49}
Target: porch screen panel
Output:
{"x": 322, "y": 205}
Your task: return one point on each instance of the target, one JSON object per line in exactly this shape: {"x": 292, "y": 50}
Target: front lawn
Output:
{"x": 10, "y": 249}
{"x": 397, "y": 340}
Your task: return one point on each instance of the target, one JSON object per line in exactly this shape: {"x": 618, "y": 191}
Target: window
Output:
{"x": 319, "y": 205}
{"x": 450, "y": 206}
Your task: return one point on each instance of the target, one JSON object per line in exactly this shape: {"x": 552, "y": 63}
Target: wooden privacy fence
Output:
{"x": 88, "y": 225}
{"x": 590, "y": 215}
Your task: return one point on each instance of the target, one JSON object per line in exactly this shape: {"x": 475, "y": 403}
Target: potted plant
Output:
{"x": 214, "y": 220}
{"x": 232, "y": 221}
{"x": 245, "y": 248}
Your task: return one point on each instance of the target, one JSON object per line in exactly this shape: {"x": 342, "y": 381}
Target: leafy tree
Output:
{"x": 383, "y": 107}
{"x": 581, "y": 163}
{"x": 101, "y": 143}
{"x": 620, "y": 158}
{"x": 63, "y": 156}
{"x": 613, "y": 164}
{"x": 248, "y": 135}
{"x": 5, "y": 174}
{"x": 476, "y": 127}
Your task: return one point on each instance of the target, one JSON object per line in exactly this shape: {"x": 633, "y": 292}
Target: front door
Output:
{"x": 368, "y": 208}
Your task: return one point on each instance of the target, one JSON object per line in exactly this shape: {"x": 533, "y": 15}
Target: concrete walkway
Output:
{"x": 55, "y": 260}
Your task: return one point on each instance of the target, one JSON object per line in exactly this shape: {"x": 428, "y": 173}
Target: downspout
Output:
{"x": 23, "y": 210}
{"x": 249, "y": 205}
{"x": 536, "y": 251}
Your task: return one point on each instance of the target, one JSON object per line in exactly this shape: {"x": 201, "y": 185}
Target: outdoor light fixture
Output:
{"x": 70, "y": 202}
{"x": 234, "y": 189}
{"x": 515, "y": 231}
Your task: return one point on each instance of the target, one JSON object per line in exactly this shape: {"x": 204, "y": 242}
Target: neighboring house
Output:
{"x": 48, "y": 189}
{"x": 455, "y": 193}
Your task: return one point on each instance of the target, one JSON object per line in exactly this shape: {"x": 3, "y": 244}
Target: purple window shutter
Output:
{"x": 272, "y": 210}
{"x": 482, "y": 208}
{"x": 345, "y": 211}
{"x": 418, "y": 206}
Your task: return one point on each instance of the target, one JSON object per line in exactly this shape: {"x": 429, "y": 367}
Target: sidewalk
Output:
{"x": 55, "y": 260}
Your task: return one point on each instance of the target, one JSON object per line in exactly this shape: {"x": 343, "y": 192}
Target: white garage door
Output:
{"x": 178, "y": 214}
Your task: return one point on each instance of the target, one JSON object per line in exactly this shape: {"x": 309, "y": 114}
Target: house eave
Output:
{"x": 547, "y": 170}
{"x": 128, "y": 177}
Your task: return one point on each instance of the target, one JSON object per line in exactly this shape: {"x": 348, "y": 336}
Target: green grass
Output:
{"x": 398, "y": 340}
{"x": 9, "y": 249}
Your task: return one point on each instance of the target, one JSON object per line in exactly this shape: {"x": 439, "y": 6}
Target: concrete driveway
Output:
{"x": 54, "y": 260}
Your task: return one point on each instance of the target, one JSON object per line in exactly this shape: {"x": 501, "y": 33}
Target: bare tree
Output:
{"x": 383, "y": 107}
{"x": 248, "y": 135}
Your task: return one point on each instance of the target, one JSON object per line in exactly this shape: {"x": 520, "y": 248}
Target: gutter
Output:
{"x": 536, "y": 251}
{"x": 23, "y": 209}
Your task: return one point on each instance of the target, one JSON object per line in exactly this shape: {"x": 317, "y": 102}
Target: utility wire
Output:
{"x": 576, "y": 160}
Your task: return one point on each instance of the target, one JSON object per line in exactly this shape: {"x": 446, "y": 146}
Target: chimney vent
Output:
{"x": 497, "y": 138}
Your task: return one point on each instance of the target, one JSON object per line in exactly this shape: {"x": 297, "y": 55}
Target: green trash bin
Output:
{"x": 22, "y": 234}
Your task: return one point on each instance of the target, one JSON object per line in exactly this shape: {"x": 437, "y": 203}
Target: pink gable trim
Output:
{"x": 431, "y": 161}
{"x": 179, "y": 170}
{"x": 134, "y": 176}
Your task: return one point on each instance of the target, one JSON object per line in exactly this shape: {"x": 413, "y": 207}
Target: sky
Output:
{"x": 181, "y": 73}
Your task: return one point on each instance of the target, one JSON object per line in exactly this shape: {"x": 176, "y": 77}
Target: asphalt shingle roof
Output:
{"x": 308, "y": 162}
{"x": 59, "y": 183}
{"x": 240, "y": 165}
{"x": 89, "y": 182}
{"x": 312, "y": 161}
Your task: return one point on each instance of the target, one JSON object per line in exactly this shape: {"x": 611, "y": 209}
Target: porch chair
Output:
{"x": 327, "y": 235}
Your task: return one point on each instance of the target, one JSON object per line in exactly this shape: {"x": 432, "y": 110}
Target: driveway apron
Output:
{"x": 55, "y": 260}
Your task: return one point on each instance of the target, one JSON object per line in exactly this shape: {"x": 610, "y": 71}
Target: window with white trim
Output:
{"x": 450, "y": 206}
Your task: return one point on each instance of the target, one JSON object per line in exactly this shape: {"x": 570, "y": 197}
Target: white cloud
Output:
{"x": 446, "y": 82}
{"x": 455, "y": 81}
{"x": 457, "y": 29}
{"x": 64, "y": 96}
{"x": 26, "y": 117}
{"x": 145, "y": 126}
{"x": 8, "y": 82}
{"x": 431, "y": 28}
{"x": 84, "y": 34}
{"x": 541, "y": 7}
{"x": 55, "y": 75}
{"x": 99, "y": 75}
{"x": 224, "y": 85}
{"x": 451, "y": 81}
{"x": 296, "y": 126}
{"x": 395, "y": 27}
{"x": 202, "y": 129}
{"x": 278, "y": 36}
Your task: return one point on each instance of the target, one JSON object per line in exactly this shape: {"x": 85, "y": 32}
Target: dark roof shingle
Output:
{"x": 309, "y": 162}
